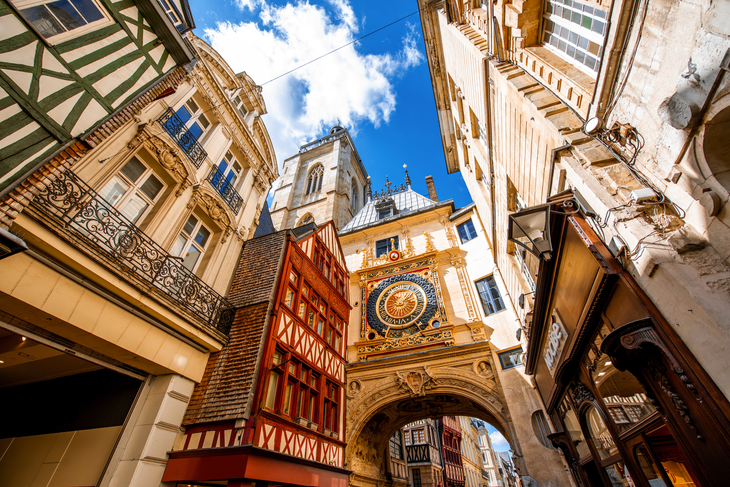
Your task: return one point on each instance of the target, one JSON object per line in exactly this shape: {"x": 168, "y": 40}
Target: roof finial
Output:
{"x": 408, "y": 178}
{"x": 388, "y": 184}
{"x": 370, "y": 189}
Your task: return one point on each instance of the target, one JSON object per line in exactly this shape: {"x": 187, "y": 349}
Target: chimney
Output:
{"x": 431, "y": 189}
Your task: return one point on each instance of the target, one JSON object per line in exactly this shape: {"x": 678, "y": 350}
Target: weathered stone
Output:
{"x": 687, "y": 239}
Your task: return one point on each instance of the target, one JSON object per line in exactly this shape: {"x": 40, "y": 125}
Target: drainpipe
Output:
{"x": 491, "y": 159}
{"x": 553, "y": 154}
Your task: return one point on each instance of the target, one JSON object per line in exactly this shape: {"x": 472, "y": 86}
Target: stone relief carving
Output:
{"x": 213, "y": 208}
{"x": 353, "y": 388}
{"x": 484, "y": 369}
{"x": 416, "y": 382}
{"x": 167, "y": 155}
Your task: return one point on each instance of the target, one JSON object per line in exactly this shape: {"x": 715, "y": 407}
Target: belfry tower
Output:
{"x": 325, "y": 181}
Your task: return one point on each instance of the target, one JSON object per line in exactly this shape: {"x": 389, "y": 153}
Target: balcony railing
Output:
{"x": 225, "y": 189}
{"x": 180, "y": 134}
{"x": 83, "y": 217}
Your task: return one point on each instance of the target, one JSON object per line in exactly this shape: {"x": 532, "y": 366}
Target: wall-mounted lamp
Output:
{"x": 10, "y": 244}
{"x": 530, "y": 229}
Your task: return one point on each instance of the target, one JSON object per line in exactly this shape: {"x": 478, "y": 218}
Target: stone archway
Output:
{"x": 386, "y": 394}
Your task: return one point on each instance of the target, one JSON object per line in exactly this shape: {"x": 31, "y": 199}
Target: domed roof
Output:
{"x": 336, "y": 128}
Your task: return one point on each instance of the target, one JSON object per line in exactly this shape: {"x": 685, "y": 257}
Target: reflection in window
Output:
{"x": 618, "y": 475}
{"x": 621, "y": 392}
{"x": 133, "y": 190}
{"x": 602, "y": 439}
{"x": 191, "y": 243}
{"x": 572, "y": 428}
{"x": 576, "y": 31}
{"x": 648, "y": 466}
{"x": 52, "y": 18}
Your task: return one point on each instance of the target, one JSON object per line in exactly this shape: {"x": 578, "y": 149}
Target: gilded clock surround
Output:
{"x": 403, "y": 307}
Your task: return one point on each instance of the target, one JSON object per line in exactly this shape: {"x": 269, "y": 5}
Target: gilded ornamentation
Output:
{"x": 465, "y": 291}
{"x": 429, "y": 246}
{"x": 409, "y": 250}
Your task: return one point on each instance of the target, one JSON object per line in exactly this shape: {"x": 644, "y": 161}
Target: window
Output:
{"x": 521, "y": 256}
{"x": 133, "y": 190}
{"x": 467, "y": 231}
{"x": 510, "y": 358}
{"x": 193, "y": 117}
{"x": 314, "y": 181}
{"x": 382, "y": 214}
{"x": 331, "y": 406}
{"x": 576, "y": 32}
{"x": 195, "y": 238}
{"x": 384, "y": 246}
{"x": 353, "y": 201}
{"x": 53, "y": 18}
{"x": 396, "y": 447}
{"x": 295, "y": 385}
{"x": 416, "y": 477}
{"x": 241, "y": 107}
{"x": 171, "y": 12}
{"x": 489, "y": 295}
{"x": 541, "y": 429}
{"x": 230, "y": 169}
{"x": 419, "y": 436}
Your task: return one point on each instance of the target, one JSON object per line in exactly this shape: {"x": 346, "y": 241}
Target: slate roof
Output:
{"x": 406, "y": 202}
{"x": 265, "y": 226}
{"x": 224, "y": 392}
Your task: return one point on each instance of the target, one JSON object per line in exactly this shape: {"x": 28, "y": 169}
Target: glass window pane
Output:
{"x": 195, "y": 130}
{"x": 576, "y": 18}
{"x": 114, "y": 190}
{"x": 598, "y": 27}
{"x": 134, "y": 207}
{"x": 88, "y": 9}
{"x": 66, "y": 14}
{"x": 573, "y": 38}
{"x": 42, "y": 20}
{"x": 179, "y": 245}
{"x": 184, "y": 114}
{"x": 202, "y": 236}
{"x": 191, "y": 257}
{"x": 570, "y": 51}
{"x": 151, "y": 187}
{"x": 133, "y": 169}
{"x": 562, "y": 46}
{"x": 618, "y": 475}
{"x": 203, "y": 121}
{"x": 558, "y": 10}
{"x": 590, "y": 62}
{"x": 648, "y": 466}
{"x": 588, "y": 9}
{"x": 190, "y": 225}
{"x": 601, "y": 437}
{"x": 583, "y": 43}
{"x": 579, "y": 56}
{"x": 302, "y": 309}
{"x": 289, "y": 299}
{"x": 287, "y": 399}
{"x": 192, "y": 106}
{"x": 271, "y": 390}
{"x": 567, "y": 13}
{"x": 600, "y": 14}
{"x": 587, "y": 21}
{"x": 573, "y": 430}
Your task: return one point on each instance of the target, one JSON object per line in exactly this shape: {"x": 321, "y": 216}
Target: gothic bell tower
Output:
{"x": 324, "y": 181}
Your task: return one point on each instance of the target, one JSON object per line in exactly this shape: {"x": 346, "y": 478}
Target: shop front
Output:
{"x": 630, "y": 404}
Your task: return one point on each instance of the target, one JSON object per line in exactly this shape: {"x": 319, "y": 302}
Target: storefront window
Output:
{"x": 648, "y": 466}
{"x": 621, "y": 392}
{"x": 618, "y": 475}
{"x": 572, "y": 428}
{"x": 601, "y": 437}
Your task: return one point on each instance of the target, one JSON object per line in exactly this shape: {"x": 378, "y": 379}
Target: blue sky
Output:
{"x": 379, "y": 87}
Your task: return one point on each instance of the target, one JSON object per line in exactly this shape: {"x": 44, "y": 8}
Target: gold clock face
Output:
{"x": 401, "y": 304}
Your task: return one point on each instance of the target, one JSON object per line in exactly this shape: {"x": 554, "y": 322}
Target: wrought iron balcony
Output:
{"x": 180, "y": 134}
{"x": 78, "y": 214}
{"x": 225, "y": 189}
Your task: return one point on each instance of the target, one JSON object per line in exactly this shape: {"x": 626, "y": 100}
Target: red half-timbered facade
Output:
{"x": 275, "y": 395}
{"x": 451, "y": 452}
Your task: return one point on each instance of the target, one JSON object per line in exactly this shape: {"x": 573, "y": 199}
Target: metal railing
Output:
{"x": 84, "y": 217}
{"x": 225, "y": 189}
{"x": 179, "y": 132}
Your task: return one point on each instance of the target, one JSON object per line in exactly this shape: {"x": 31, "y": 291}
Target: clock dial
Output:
{"x": 401, "y": 305}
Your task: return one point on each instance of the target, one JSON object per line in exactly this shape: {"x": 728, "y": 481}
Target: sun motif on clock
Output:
{"x": 406, "y": 302}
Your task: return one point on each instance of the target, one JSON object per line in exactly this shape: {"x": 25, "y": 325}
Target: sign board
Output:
{"x": 556, "y": 338}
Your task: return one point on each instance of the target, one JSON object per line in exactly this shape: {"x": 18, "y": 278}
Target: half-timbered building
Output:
{"x": 271, "y": 405}
{"x": 450, "y": 431}
{"x": 129, "y": 243}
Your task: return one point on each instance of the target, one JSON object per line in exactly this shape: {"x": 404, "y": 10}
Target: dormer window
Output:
{"x": 385, "y": 208}
{"x": 382, "y": 214}
{"x": 171, "y": 12}
{"x": 314, "y": 181}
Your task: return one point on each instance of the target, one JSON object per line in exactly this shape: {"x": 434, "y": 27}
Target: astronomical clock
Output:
{"x": 402, "y": 307}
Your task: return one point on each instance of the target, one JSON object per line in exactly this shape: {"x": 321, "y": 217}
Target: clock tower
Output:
{"x": 324, "y": 181}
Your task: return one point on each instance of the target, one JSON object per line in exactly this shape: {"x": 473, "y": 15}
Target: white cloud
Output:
{"x": 354, "y": 87}
{"x": 499, "y": 443}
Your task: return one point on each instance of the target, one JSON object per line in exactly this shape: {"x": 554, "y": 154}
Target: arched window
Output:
{"x": 308, "y": 218}
{"x": 314, "y": 181}
{"x": 353, "y": 200}
{"x": 541, "y": 429}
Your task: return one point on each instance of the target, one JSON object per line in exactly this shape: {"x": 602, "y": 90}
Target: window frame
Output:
{"x": 388, "y": 246}
{"x": 169, "y": 7}
{"x": 490, "y": 296}
{"x": 191, "y": 241}
{"x": 68, "y": 34}
{"x": 470, "y": 233}
{"x": 135, "y": 188}
{"x": 230, "y": 163}
{"x": 195, "y": 116}
{"x": 314, "y": 180}
{"x": 577, "y": 30}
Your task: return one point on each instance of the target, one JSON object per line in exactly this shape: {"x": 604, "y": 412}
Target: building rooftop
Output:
{"x": 390, "y": 204}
